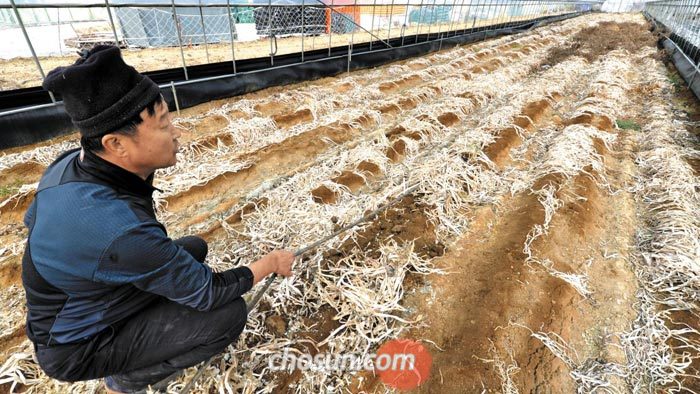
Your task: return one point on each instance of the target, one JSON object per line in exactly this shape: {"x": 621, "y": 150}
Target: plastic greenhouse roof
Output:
{"x": 168, "y": 2}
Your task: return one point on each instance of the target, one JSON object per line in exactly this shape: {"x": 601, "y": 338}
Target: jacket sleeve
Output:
{"x": 146, "y": 258}
{"x": 30, "y": 215}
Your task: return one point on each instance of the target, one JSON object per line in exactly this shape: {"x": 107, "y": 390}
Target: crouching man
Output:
{"x": 108, "y": 293}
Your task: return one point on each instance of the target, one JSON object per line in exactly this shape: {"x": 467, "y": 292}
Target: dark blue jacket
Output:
{"x": 96, "y": 254}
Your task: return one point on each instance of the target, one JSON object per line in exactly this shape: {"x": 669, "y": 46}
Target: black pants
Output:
{"x": 161, "y": 339}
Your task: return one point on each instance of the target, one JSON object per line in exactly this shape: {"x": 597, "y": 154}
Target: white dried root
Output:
{"x": 659, "y": 350}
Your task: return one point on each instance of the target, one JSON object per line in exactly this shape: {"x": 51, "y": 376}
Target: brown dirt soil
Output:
{"x": 8, "y": 342}
{"x": 214, "y": 140}
{"x": 367, "y": 167}
{"x": 593, "y": 42}
{"x": 21, "y": 174}
{"x": 271, "y": 108}
{"x": 324, "y": 195}
{"x": 11, "y": 232}
{"x": 389, "y": 109}
{"x": 532, "y": 116}
{"x": 352, "y": 180}
{"x": 400, "y": 84}
{"x": 536, "y": 110}
{"x": 11, "y": 272}
{"x": 490, "y": 286}
{"x": 603, "y": 123}
{"x": 208, "y": 132}
{"x": 491, "y": 65}
{"x": 448, "y": 119}
{"x": 405, "y": 221}
{"x": 599, "y": 147}
{"x": 471, "y": 97}
{"x": 396, "y": 151}
{"x": 395, "y": 133}
{"x": 235, "y": 220}
{"x": 211, "y": 124}
{"x": 681, "y": 320}
{"x": 13, "y": 209}
{"x": 320, "y": 326}
{"x": 288, "y": 120}
{"x": 499, "y": 150}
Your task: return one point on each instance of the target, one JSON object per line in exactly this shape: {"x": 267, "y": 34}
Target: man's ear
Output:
{"x": 113, "y": 145}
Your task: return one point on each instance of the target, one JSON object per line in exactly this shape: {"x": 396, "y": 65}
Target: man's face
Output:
{"x": 155, "y": 144}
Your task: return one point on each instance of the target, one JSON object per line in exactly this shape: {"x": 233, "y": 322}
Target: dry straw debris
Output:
{"x": 352, "y": 300}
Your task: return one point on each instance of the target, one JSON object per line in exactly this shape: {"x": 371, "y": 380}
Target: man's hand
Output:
{"x": 283, "y": 262}
{"x": 278, "y": 262}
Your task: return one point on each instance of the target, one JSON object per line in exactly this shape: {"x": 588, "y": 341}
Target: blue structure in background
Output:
{"x": 430, "y": 14}
{"x": 156, "y": 27}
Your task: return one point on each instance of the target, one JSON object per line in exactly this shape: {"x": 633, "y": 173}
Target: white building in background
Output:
{"x": 48, "y": 28}
{"x": 51, "y": 30}
{"x": 623, "y": 5}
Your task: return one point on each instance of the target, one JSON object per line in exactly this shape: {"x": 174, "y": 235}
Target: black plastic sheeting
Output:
{"x": 684, "y": 63}
{"x": 685, "y": 68}
{"x": 215, "y": 81}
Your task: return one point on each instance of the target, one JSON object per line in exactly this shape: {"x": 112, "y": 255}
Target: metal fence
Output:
{"x": 681, "y": 17}
{"x": 163, "y": 34}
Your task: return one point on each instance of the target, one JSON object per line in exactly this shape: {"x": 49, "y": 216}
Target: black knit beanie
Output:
{"x": 100, "y": 92}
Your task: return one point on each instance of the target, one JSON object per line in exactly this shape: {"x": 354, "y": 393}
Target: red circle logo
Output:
{"x": 403, "y": 364}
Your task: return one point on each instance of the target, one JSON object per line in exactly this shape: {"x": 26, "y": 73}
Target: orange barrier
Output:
{"x": 351, "y": 12}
